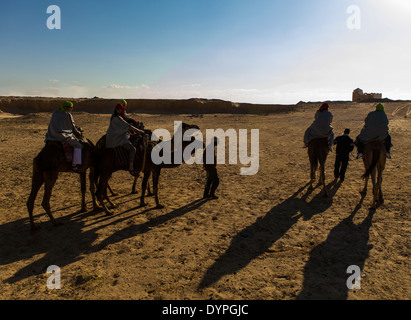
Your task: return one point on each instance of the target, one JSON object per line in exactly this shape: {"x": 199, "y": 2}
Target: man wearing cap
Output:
{"x": 344, "y": 146}
{"x": 62, "y": 128}
{"x": 321, "y": 127}
{"x": 375, "y": 129}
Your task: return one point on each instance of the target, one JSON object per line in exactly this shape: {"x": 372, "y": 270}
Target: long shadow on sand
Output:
{"x": 135, "y": 230}
{"x": 257, "y": 238}
{"x": 59, "y": 246}
{"x": 325, "y": 274}
{"x": 69, "y": 243}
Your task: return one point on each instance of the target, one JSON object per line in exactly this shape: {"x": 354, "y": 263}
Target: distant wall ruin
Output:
{"x": 359, "y": 96}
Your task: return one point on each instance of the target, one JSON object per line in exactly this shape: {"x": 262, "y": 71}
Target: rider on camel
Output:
{"x": 118, "y": 133}
{"x": 321, "y": 127}
{"x": 375, "y": 129}
{"x": 62, "y": 128}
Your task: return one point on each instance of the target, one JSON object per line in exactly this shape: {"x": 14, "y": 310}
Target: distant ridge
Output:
{"x": 24, "y": 105}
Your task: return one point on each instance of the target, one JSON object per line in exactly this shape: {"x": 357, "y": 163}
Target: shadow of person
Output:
{"x": 319, "y": 203}
{"x": 325, "y": 274}
{"x": 257, "y": 238}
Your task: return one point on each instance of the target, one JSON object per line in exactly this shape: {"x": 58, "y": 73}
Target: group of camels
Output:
{"x": 100, "y": 162}
{"x": 374, "y": 163}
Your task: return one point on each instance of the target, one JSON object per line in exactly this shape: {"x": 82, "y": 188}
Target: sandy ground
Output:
{"x": 266, "y": 237}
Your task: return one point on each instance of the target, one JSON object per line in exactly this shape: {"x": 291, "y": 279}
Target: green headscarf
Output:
{"x": 380, "y": 107}
{"x": 65, "y": 105}
{"x": 123, "y": 102}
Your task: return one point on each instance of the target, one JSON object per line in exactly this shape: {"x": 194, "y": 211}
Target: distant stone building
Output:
{"x": 359, "y": 96}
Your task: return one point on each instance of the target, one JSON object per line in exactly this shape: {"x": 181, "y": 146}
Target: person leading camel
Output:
{"x": 321, "y": 127}
{"x": 118, "y": 133}
{"x": 375, "y": 129}
{"x": 62, "y": 128}
{"x": 212, "y": 179}
{"x": 344, "y": 146}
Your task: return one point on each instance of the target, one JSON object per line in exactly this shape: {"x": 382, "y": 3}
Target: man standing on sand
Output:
{"x": 212, "y": 180}
{"x": 344, "y": 146}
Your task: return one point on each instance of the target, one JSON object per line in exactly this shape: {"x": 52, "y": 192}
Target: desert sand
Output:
{"x": 267, "y": 237}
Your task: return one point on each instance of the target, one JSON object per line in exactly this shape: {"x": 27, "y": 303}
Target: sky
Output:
{"x": 254, "y": 51}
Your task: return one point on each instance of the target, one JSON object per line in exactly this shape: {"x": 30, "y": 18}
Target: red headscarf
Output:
{"x": 324, "y": 106}
{"x": 123, "y": 108}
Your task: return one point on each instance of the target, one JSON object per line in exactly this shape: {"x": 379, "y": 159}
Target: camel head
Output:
{"x": 186, "y": 126}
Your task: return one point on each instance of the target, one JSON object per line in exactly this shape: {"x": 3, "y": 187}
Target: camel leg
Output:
{"x": 380, "y": 198}
{"x": 380, "y": 168}
{"x": 113, "y": 193}
{"x": 37, "y": 182}
{"x": 149, "y": 193}
{"x": 96, "y": 206}
{"x": 111, "y": 203}
{"x": 322, "y": 179}
{"x": 50, "y": 179}
{"x": 312, "y": 176}
{"x": 143, "y": 189}
{"x": 102, "y": 186}
{"x": 134, "y": 187}
{"x": 374, "y": 190}
{"x": 156, "y": 176}
{"x": 364, "y": 190}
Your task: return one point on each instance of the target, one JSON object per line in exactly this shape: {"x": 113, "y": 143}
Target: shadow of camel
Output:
{"x": 68, "y": 243}
{"x": 60, "y": 245}
{"x": 325, "y": 274}
{"x": 257, "y": 238}
{"x": 134, "y": 230}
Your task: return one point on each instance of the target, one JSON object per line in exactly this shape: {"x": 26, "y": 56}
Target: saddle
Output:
{"x": 122, "y": 154}
{"x": 66, "y": 148}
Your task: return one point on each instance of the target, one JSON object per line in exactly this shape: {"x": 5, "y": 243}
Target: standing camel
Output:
{"x": 46, "y": 167}
{"x": 101, "y": 143}
{"x": 374, "y": 158}
{"x": 317, "y": 153}
{"x": 107, "y": 165}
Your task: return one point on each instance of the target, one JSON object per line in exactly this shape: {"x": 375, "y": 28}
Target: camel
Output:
{"x": 106, "y": 166}
{"x": 101, "y": 143}
{"x": 48, "y": 164}
{"x": 374, "y": 161}
{"x": 317, "y": 153}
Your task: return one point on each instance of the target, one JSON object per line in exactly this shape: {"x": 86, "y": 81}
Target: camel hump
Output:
{"x": 378, "y": 145}
{"x": 319, "y": 142}
{"x": 51, "y": 156}
{"x": 101, "y": 143}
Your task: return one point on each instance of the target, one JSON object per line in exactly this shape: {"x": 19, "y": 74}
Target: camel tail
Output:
{"x": 96, "y": 166}
{"x": 375, "y": 158}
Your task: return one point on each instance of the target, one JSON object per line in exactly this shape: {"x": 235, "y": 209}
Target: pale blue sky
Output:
{"x": 261, "y": 51}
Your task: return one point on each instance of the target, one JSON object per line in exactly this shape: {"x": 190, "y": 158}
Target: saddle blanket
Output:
{"x": 122, "y": 155}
